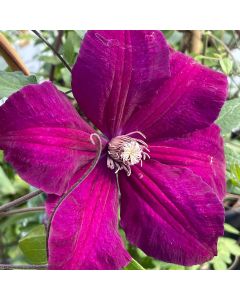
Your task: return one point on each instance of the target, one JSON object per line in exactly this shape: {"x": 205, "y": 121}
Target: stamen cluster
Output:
{"x": 125, "y": 151}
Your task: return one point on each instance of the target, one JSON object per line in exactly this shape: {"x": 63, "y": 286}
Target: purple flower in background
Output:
{"x": 155, "y": 108}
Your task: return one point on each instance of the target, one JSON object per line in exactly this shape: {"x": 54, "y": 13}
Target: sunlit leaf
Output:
{"x": 229, "y": 228}
{"x": 219, "y": 264}
{"x": 232, "y": 246}
{"x": 227, "y": 248}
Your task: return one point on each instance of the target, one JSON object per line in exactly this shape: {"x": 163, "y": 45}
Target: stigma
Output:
{"x": 125, "y": 151}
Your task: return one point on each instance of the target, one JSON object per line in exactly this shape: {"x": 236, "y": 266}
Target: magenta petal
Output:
{"x": 170, "y": 213}
{"x": 84, "y": 229}
{"x": 44, "y": 138}
{"x": 116, "y": 71}
{"x": 201, "y": 152}
{"x": 52, "y": 199}
{"x": 190, "y": 99}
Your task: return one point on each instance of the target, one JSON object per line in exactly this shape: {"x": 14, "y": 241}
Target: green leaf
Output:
{"x": 232, "y": 156}
{"x": 175, "y": 37}
{"x": 81, "y": 33}
{"x": 226, "y": 65}
{"x": 1, "y": 156}
{"x": 33, "y": 245}
{"x": 66, "y": 76}
{"x": 229, "y": 118}
{"x": 133, "y": 265}
{"x": 232, "y": 153}
{"x": 229, "y": 228}
{"x": 11, "y": 82}
{"x": 227, "y": 248}
{"x": 218, "y": 264}
{"x": 69, "y": 46}
{"x": 232, "y": 246}
{"x": 234, "y": 174}
{"x": 6, "y": 186}
{"x": 52, "y": 60}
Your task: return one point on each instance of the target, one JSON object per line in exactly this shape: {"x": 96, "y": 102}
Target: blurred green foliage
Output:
{"x": 22, "y": 236}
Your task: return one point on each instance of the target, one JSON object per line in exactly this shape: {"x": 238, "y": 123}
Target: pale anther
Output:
{"x": 125, "y": 151}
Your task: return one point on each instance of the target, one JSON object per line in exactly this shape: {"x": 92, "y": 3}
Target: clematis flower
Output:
{"x": 162, "y": 157}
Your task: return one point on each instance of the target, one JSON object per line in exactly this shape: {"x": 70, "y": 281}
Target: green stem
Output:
{"x": 20, "y": 200}
{"x": 21, "y": 211}
{"x": 134, "y": 265}
{"x": 38, "y": 34}
{"x": 208, "y": 33}
{"x": 68, "y": 92}
{"x": 22, "y": 267}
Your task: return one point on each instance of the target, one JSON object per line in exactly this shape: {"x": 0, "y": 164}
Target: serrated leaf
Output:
{"x": 33, "y": 245}
{"x": 229, "y": 118}
{"x": 11, "y": 82}
{"x": 6, "y": 187}
{"x": 133, "y": 265}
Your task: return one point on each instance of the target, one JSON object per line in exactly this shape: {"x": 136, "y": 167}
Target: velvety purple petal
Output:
{"x": 170, "y": 213}
{"x": 84, "y": 229}
{"x": 190, "y": 99}
{"x": 44, "y": 138}
{"x": 201, "y": 151}
{"x": 116, "y": 71}
{"x": 53, "y": 199}
{"x": 50, "y": 203}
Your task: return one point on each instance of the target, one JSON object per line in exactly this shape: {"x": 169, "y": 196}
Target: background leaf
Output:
{"x": 71, "y": 46}
{"x": 229, "y": 118}
{"x": 229, "y": 228}
{"x": 11, "y": 82}
{"x": 33, "y": 245}
{"x": 6, "y": 186}
{"x": 226, "y": 65}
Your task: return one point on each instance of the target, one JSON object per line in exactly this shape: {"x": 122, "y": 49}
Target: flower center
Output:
{"x": 125, "y": 151}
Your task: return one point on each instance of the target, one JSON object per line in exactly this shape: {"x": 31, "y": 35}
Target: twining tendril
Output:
{"x": 74, "y": 186}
